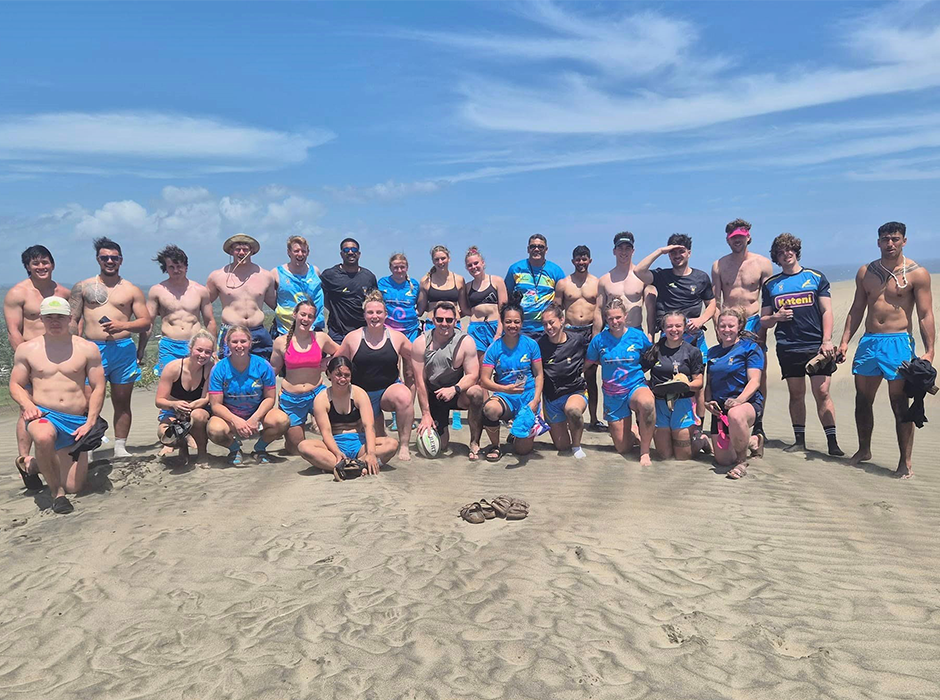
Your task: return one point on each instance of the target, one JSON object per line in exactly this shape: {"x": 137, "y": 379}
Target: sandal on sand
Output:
{"x": 473, "y": 513}
{"x": 516, "y": 512}
{"x": 30, "y": 481}
{"x": 739, "y": 472}
{"x": 492, "y": 453}
{"x": 489, "y": 512}
{"x": 473, "y": 455}
{"x": 62, "y": 505}
{"x": 502, "y": 504}
{"x": 348, "y": 469}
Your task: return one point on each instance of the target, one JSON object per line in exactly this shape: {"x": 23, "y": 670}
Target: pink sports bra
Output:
{"x": 295, "y": 359}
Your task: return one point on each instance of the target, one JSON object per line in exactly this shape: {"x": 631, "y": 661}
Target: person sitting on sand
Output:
{"x": 376, "y": 352}
{"x": 299, "y": 356}
{"x": 241, "y": 396}
{"x": 675, "y": 378}
{"x": 57, "y": 410}
{"x": 447, "y": 377}
{"x": 617, "y": 350}
{"x": 888, "y": 289}
{"x": 732, "y": 393}
{"x": 485, "y": 294}
{"x": 183, "y": 394}
{"x": 347, "y": 430}
{"x": 512, "y": 370}
{"x": 400, "y": 292}
{"x": 797, "y": 301}
{"x": 564, "y": 396}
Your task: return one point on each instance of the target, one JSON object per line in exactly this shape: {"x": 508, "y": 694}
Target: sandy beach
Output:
{"x": 810, "y": 578}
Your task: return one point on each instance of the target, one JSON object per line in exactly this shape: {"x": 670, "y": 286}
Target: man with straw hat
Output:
{"x": 244, "y": 289}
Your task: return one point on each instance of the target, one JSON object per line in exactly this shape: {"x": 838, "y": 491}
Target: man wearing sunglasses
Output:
{"x": 534, "y": 280}
{"x": 447, "y": 377}
{"x": 111, "y": 310}
{"x": 344, "y": 290}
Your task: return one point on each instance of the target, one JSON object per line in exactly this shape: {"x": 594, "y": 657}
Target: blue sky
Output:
{"x": 412, "y": 124}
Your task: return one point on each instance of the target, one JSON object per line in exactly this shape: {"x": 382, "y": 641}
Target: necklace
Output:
{"x": 897, "y": 282}
{"x": 96, "y": 293}
{"x": 231, "y": 273}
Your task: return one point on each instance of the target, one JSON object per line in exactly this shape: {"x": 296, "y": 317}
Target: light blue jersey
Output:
{"x": 401, "y": 302}
{"x": 293, "y": 289}
{"x": 510, "y": 364}
{"x": 619, "y": 359}
{"x": 242, "y": 392}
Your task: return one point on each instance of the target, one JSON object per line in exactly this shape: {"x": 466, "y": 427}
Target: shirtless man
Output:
{"x": 889, "y": 289}
{"x": 57, "y": 410}
{"x": 112, "y": 309}
{"x": 244, "y": 289}
{"x": 180, "y": 302}
{"x": 21, "y": 311}
{"x": 737, "y": 280}
{"x": 577, "y": 295}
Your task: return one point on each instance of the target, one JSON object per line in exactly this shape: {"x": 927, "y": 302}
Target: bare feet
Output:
{"x": 404, "y": 455}
{"x": 860, "y": 456}
{"x": 904, "y": 472}
{"x": 645, "y": 461}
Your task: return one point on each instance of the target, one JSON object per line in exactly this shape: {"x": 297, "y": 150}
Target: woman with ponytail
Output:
{"x": 483, "y": 298}
{"x": 440, "y": 284}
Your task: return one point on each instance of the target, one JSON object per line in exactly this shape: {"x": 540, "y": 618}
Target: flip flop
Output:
{"x": 62, "y": 505}
{"x": 492, "y": 453}
{"x": 473, "y": 513}
{"x": 502, "y": 504}
{"x": 723, "y": 440}
{"x": 473, "y": 455}
{"x": 673, "y": 387}
{"x": 597, "y": 426}
{"x": 31, "y": 481}
{"x": 739, "y": 472}
{"x": 516, "y": 512}
{"x": 489, "y": 512}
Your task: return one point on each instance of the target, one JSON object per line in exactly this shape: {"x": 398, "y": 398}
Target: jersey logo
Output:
{"x": 692, "y": 287}
{"x": 807, "y": 283}
{"x": 345, "y": 290}
{"x": 631, "y": 348}
{"x": 780, "y": 287}
{"x": 551, "y": 361}
{"x": 524, "y": 358}
{"x": 672, "y": 284}
{"x": 795, "y": 300}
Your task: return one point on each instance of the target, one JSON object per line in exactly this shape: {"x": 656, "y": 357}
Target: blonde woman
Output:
{"x": 401, "y": 297}
{"x": 440, "y": 284}
{"x": 483, "y": 298}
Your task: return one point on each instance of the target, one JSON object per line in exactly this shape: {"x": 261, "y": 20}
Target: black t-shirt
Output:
{"x": 563, "y": 365}
{"x": 343, "y": 294}
{"x": 685, "y": 359}
{"x": 685, "y": 294}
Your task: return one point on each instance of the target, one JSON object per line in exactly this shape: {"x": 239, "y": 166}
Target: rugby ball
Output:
{"x": 428, "y": 443}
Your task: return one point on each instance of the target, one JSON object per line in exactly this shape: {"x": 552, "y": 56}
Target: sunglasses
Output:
{"x": 109, "y": 258}
{"x": 448, "y": 321}
{"x": 350, "y": 250}
{"x": 537, "y": 246}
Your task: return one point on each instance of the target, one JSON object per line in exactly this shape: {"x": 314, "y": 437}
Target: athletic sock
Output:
{"x": 578, "y": 452}
{"x": 120, "y": 447}
{"x": 758, "y": 426}
{"x": 235, "y": 446}
{"x": 799, "y": 432}
{"x": 834, "y": 448}
{"x": 261, "y": 445}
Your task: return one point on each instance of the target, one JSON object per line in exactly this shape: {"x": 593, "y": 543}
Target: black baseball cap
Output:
{"x": 623, "y": 237}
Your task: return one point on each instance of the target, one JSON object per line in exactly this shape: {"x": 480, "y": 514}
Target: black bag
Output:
{"x": 90, "y": 440}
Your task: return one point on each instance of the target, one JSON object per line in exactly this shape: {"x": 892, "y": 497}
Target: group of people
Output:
{"x": 528, "y": 357}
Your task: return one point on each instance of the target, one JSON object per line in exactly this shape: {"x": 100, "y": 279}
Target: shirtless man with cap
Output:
{"x": 737, "y": 280}
{"x": 577, "y": 294}
{"x": 181, "y": 302}
{"x": 21, "y": 312}
{"x": 244, "y": 289}
{"x": 112, "y": 310}
{"x": 58, "y": 410}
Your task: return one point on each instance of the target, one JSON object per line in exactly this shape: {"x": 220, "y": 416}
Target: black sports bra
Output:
{"x": 338, "y": 419}
{"x": 180, "y": 394}
{"x": 489, "y": 295}
{"x": 436, "y": 295}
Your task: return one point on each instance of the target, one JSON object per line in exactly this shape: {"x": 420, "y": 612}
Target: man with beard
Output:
{"x": 180, "y": 302}
{"x": 534, "y": 278}
{"x": 344, "y": 290}
{"x": 112, "y": 309}
{"x": 21, "y": 312}
{"x": 244, "y": 289}
{"x": 297, "y": 281}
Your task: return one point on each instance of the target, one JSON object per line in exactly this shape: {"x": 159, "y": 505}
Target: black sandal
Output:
{"x": 492, "y": 453}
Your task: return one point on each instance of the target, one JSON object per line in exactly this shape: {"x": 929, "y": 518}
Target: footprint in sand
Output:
{"x": 883, "y": 505}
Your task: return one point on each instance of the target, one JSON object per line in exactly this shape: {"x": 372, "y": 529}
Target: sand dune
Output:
{"x": 809, "y": 579}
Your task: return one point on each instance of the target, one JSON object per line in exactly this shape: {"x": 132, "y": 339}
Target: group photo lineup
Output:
{"x": 653, "y": 308}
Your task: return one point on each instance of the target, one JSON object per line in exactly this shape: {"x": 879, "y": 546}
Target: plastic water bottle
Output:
{"x": 455, "y": 423}
{"x": 394, "y": 425}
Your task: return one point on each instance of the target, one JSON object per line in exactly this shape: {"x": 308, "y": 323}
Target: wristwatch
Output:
{"x": 457, "y": 389}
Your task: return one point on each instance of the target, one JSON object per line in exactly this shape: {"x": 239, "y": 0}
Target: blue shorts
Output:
{"x": 513, "y": 402}
{"x": 298, "y": 406}
{"x": 413, "y": 334}
{"x": 880, "y": 354}
{"x": 752, "y": 324}
{"x": 169, "y": 350}
{"x": 699, "y": 342}
{"x": 482, "y": 333}
{"x": 261, "y": 342}
{"x": 119, "y": 360}
{"x": 554, "y": 411}
{"x": 617, "y": 406}
{"x": 681, "y": 416}
{"x": 64, "y": 424}
{"x": 350, "y": 443}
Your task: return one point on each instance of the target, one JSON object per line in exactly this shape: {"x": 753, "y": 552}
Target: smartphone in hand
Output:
{"x": 103, "y": 320}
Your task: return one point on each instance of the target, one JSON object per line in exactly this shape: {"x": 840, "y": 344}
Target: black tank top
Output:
{"x": 180, "y": 394}
{"x": 483, "y": 296}
{"x": 375, "y": 369}
{"x": 436, "y": 295}
{"x": 340, "y": 420}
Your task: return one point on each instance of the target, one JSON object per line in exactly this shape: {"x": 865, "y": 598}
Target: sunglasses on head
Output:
{"x": 438, "y": 319}
{"x": 109, "y": 258}
{"x": 350, "y": 250}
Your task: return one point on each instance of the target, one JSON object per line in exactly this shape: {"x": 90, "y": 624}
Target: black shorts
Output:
{"x": 582, "y": 333}
{"x": 793, "y": 363}
{"x": 440, "y": 410}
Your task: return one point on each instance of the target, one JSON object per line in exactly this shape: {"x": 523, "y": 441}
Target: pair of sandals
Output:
{"x": 349, "y": 469}
{"x": 502, "y": 506}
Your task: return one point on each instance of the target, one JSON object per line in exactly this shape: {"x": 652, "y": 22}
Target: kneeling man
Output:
{"x": 57, "y": 413}
{"x": 447, "y": 377}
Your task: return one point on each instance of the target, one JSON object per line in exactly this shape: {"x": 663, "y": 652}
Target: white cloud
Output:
{"x": 386, "y": 191}
{"x": 182, "y": 195}
{"x": 116, "y": 219}
{"x": 101, "y": 143}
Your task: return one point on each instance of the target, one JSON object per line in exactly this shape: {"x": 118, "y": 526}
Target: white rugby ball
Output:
{"x": 428, "y": 444}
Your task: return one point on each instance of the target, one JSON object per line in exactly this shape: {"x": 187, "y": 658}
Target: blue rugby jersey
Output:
{"x": 801, "y": 292}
